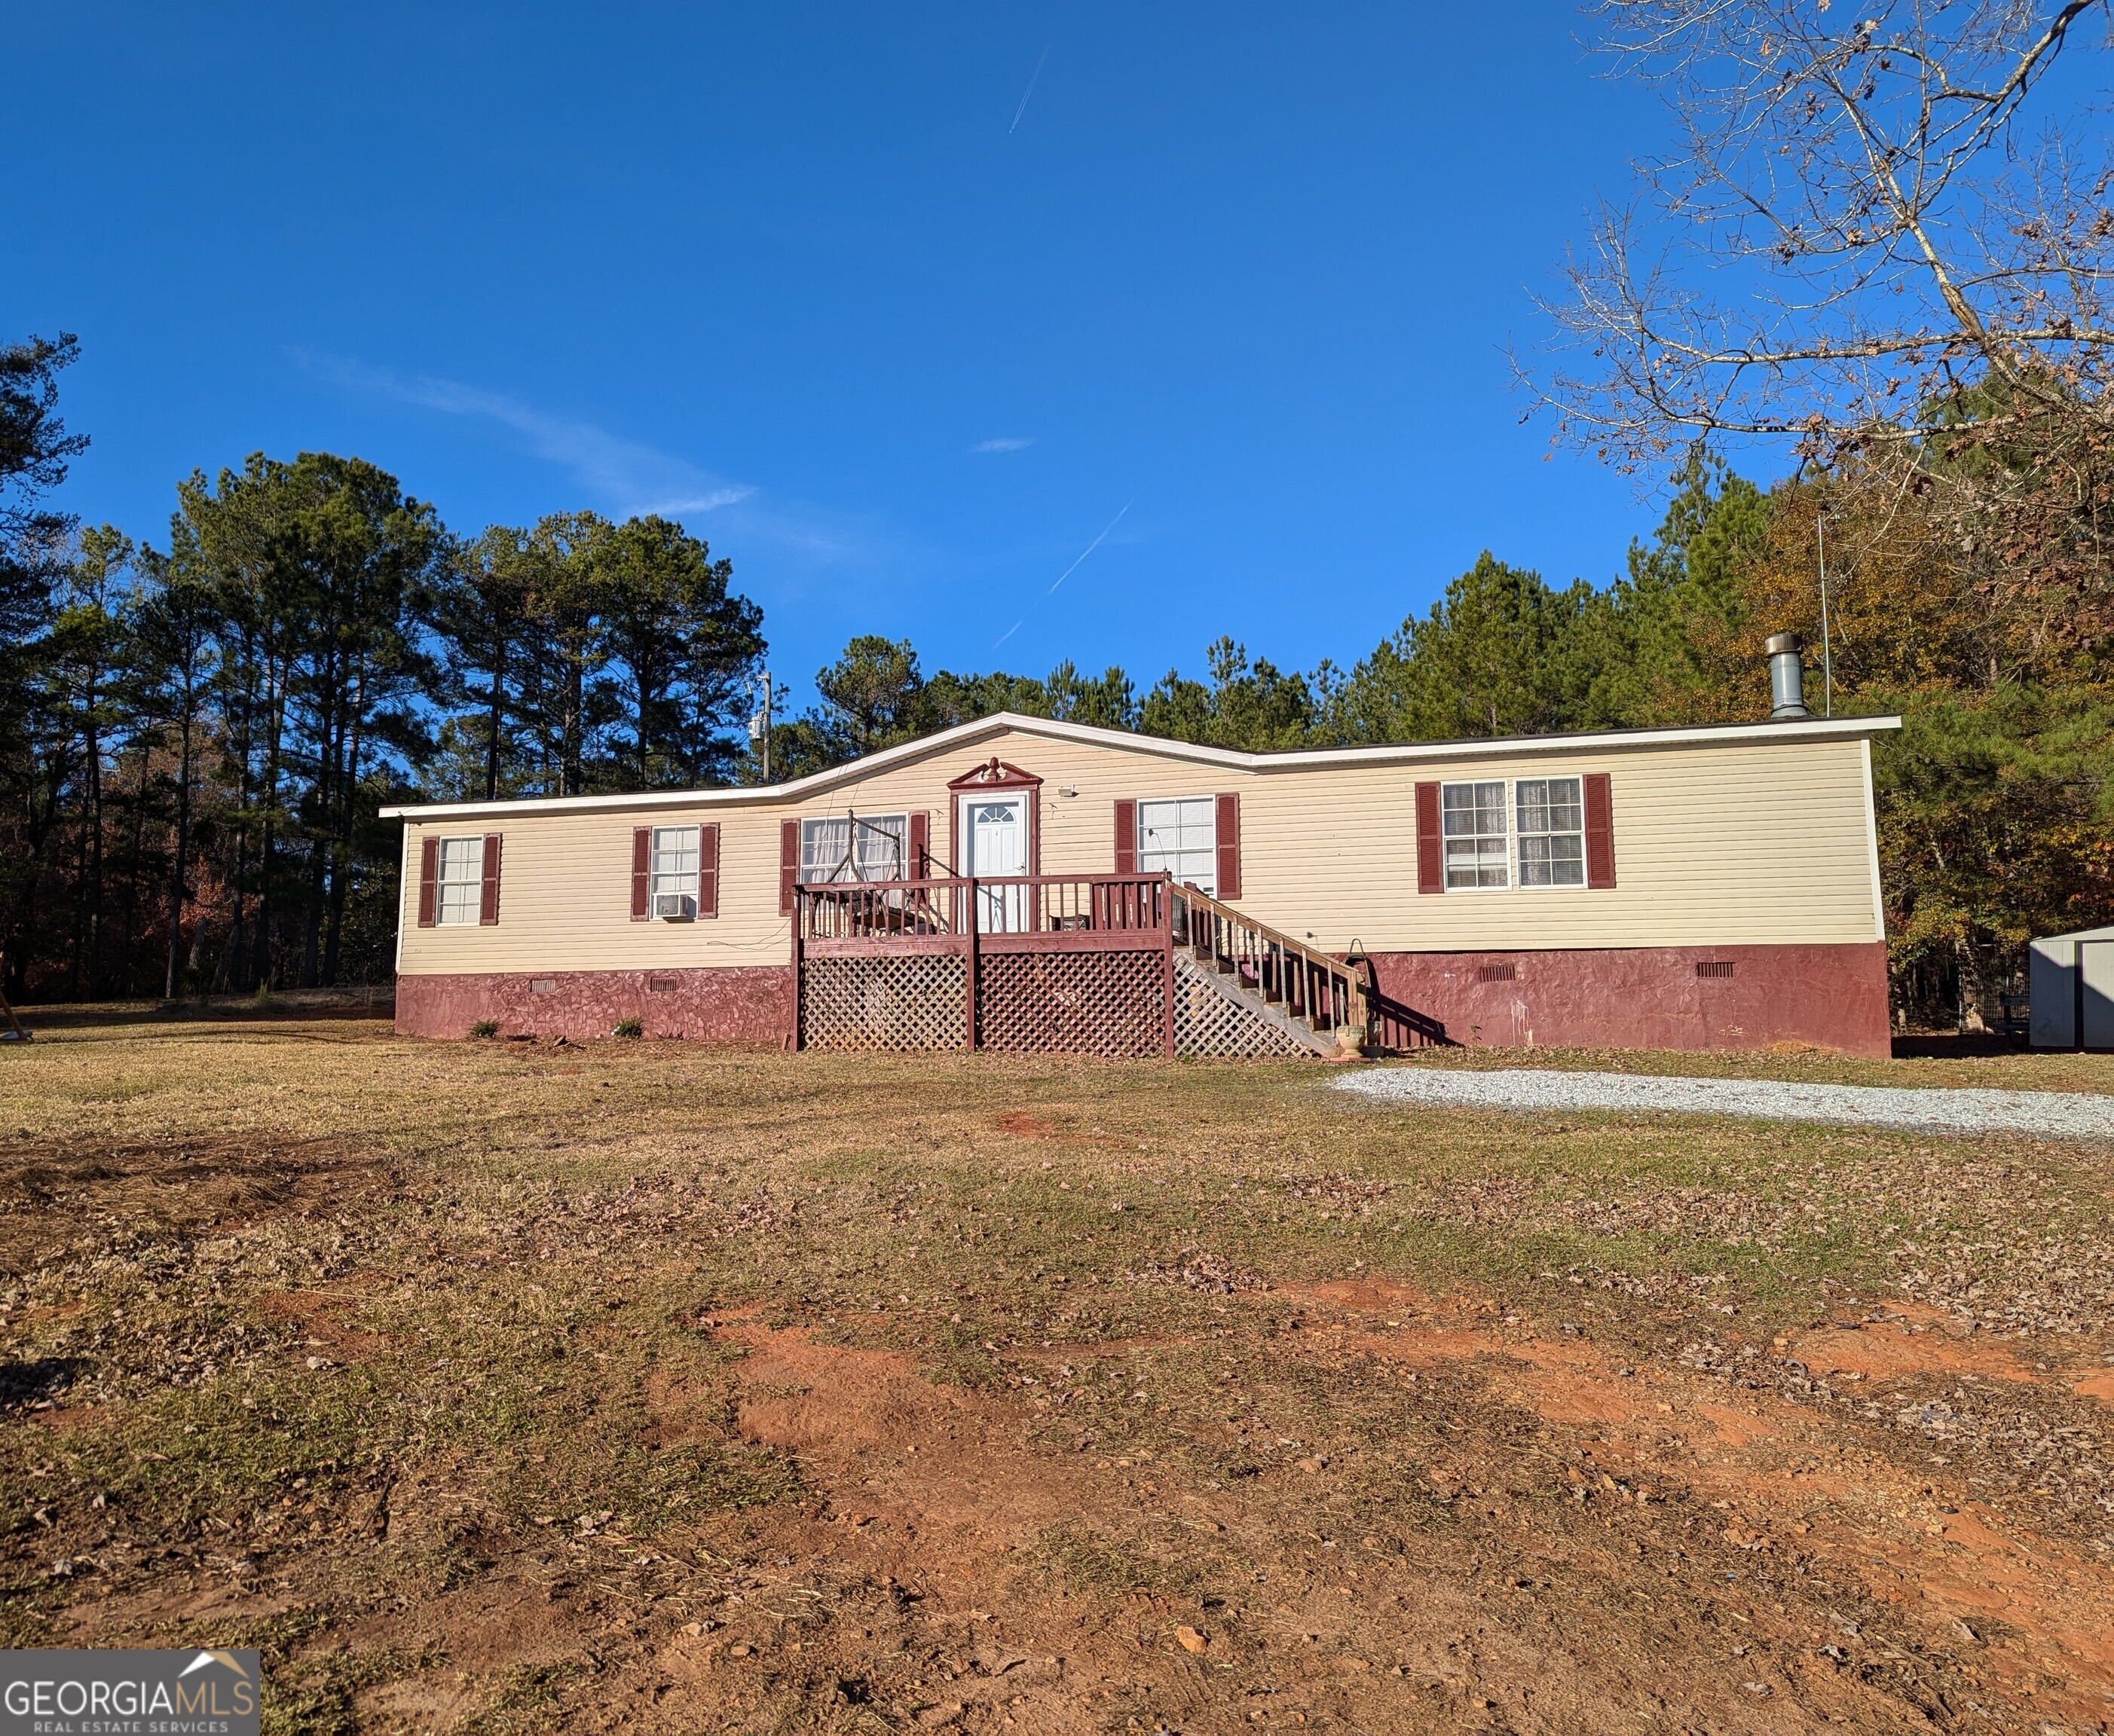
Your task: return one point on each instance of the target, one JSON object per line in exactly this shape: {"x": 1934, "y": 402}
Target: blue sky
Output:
{"x": 900, "y": 307}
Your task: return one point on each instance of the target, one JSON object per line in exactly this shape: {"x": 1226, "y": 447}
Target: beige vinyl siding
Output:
{"x": 1741, "y": 844}
{"x": 564, "y": 899}
{"x": 1713, "y": 847}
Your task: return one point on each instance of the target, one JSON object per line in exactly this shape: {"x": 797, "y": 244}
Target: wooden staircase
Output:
{"x": 1315, "y": 1002}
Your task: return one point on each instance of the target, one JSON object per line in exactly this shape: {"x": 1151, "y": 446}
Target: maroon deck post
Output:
{"x": 969, "y": 965}
{"x": 793, "y": 1041}
{"x": 1164, "y": 896}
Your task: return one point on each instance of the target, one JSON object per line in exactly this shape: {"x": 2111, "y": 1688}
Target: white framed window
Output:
{"x": 861, "y": 847}
{"x": 1180, "y": 838}
{"x": 1552, "y": 831}
{"x": 1478, "y": 842}
{"x": 674, "y": 863}
{"x": 461, "y": 882}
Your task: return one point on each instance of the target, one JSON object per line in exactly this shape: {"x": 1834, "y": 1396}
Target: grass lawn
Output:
{"x": 498, "y": 1387}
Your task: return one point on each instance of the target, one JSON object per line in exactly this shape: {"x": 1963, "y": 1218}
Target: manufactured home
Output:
{"x": 1019, "y": 883}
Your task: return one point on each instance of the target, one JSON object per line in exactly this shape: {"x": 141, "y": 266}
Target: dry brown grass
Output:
{"x": 491, "y": 1387}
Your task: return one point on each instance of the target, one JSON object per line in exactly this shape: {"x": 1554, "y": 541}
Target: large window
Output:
{"x": 675, "y": 862}
{"x": 461, "y": 880}
{"x": 1552, "y": 831}
{"x": 862, "y": 846}
{"x": 1477, "y": 848}
{"x": 1181, "y": 838}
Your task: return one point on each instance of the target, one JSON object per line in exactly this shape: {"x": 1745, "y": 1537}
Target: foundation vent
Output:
{"x": 544, "y": 986}
{"x": 1497, "y": 973}
{"x": 1713, "y": 967}
{"x": 661, "y": 985}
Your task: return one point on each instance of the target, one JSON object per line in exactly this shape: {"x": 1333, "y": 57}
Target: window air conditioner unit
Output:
{"x": 674, "y": 906}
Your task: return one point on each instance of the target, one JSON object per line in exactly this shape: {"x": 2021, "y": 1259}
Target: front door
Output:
{"x": 996, "y": 830}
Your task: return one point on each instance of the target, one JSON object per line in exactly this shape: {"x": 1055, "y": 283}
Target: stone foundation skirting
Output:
{"x": 1744, "y": 997}
{"x": 727, "y": 1003}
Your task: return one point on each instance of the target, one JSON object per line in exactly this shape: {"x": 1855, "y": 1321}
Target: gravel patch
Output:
{"x": 2050, "y": 1114}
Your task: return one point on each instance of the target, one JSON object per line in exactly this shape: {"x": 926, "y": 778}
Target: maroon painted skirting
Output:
{"x": 732, "y": 1003}
{"x": 1625, "y": 997}
{"x": 1651, "y": 997}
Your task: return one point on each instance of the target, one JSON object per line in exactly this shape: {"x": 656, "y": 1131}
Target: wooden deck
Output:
{"x": 1096, "y": 963}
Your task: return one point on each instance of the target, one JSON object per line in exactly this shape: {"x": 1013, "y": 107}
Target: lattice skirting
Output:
{"x": 910, "y": 1000}
{"x": 1108, "y": 1004}
{"x": 1070, "y": 1003}
{"x": 1209, "y": 1025}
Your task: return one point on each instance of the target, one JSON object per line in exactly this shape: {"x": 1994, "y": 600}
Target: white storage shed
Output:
{"x": 2071, "y": 978}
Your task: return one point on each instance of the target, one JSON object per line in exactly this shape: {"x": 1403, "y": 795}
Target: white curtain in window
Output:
{"x": 1477, "y": 850}
{"x": 867, "y": 848}
{"x": 1552, "y": 831}
{"x": 882, "y": 846}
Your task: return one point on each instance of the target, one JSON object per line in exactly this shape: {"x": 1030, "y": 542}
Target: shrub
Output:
{"x": 628, "y": 1028}
{"x": 485, "y": 1028}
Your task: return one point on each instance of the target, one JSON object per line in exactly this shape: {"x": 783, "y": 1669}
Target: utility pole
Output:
{"x": 1827, "y": 649}
{"x": 759, "y": 724}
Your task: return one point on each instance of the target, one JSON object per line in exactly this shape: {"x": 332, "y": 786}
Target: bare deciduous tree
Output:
{"x": 1892, "y": 238}
{"x": 1884, "y": 236}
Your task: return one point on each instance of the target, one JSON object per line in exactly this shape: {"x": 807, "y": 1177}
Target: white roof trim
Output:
{"x": 999, "y": 723}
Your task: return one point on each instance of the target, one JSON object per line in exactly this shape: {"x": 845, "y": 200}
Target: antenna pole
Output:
{"x": 1827, "y": 646}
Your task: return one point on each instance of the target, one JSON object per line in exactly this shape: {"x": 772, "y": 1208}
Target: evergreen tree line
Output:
{"x": 195, "y": 739}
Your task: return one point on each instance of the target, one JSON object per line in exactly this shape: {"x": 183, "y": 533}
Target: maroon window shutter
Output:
{"x": 708, "y": 871}
{"x": 488, "y": 904}
{"x": 1227, "y": 834}
{"x": 920, "y": 845}
{"x": 1126, "y": 837}
{"x": 1430, "y": 841}
{"x": 1599, "y": 832}
{"x": 641, "y": 873}
{"x": 429, "y": 881}
{"x": 789, "y": 864}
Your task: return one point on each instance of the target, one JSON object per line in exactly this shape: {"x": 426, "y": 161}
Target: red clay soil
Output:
{"x": 1937, "y": 1553}
{"x": 920, "y": 1576}
{"x": 935, "y": 1497}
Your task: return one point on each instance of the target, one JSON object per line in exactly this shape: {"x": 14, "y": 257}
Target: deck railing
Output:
{"x": 1064, "y": 912}
{"x": 1022, "y": 904}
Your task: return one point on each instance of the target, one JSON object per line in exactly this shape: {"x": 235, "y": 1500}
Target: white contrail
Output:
{"x": 1091, "y": 546}
{"x": 1030, "y": 91}
{"x": 1067, "y": 572}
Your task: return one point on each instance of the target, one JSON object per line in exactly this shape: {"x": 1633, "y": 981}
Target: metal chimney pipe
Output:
{"x": 1786, "y": 678}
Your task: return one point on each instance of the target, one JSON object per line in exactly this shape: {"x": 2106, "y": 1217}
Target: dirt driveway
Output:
{"x": 495, "y": 1387}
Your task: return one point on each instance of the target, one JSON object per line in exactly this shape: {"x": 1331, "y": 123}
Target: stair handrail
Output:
{"x": 1339, "y": 975}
